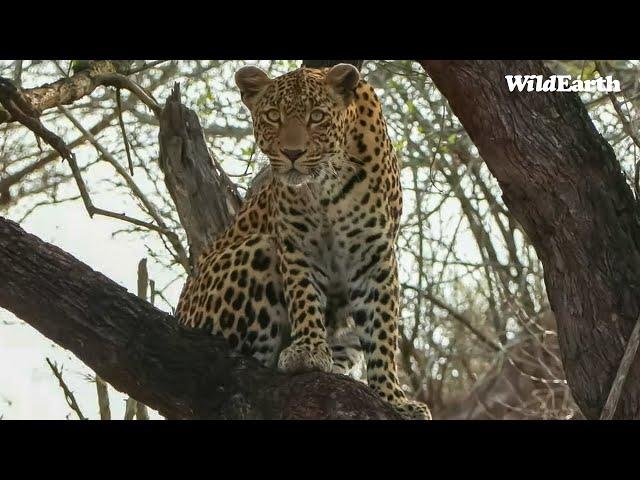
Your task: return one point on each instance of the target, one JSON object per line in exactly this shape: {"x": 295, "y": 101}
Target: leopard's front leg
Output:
{"x": 306, "y": 304}
{"x": 375, "y": 307}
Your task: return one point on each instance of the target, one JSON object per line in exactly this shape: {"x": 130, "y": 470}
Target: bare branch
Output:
{"x": 181, "y": 372}
{"x": 120, "y": 81}
{"x": 161, "y": 227}
{"x": 62, "y": 92}
{"x": 68, "y": 394}
{"x": 146, "y": 66}
{"x": 16, "y": 177}
{"x": 102, "y": 391}
{"x": 130, "y": 409}
{"x": 124, "y": 131}
{"x": 610, "y": 406}
{"x": 20, "y": 109}
{"x": 134, "y": 407}
{"x": 205, "y": 197}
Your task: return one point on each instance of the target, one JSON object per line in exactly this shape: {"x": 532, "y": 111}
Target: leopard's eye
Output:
{"x": 317, "y": 116}
{"x": 273, "y": 115}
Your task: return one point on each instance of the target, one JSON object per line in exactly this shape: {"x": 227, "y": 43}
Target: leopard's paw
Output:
{"x": 304, "y": 358}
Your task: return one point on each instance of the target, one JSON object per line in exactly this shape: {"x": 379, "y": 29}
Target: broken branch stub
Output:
{"x": 205, "y": 197}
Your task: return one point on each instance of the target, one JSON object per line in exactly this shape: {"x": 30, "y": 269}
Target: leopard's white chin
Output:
{"x": 295, "y": 178}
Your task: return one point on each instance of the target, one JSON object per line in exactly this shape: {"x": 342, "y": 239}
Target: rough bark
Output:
{"x": 560, "y": 179}
{"x": 67, "y": 90}
{"x": 142, "y": 351}
{"x": 205, "y": 197}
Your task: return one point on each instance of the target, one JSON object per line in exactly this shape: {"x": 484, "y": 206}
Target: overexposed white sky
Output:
{"x": 28, "y": 388}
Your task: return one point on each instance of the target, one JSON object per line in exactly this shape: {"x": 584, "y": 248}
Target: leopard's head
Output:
{"x": 300, "y": 118}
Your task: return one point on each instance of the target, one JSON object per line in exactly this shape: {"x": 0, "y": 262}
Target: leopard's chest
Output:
{"x": 322, "y": 247}
{"x": 336, "y": 219}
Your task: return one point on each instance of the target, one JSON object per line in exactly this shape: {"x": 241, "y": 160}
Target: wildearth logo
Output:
{"x": 560, "y": 83}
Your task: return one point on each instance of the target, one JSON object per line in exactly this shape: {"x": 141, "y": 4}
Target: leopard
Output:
{"x": 306, "y": 277}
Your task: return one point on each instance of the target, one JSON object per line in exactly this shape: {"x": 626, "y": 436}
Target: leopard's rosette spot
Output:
{"x": 412, "y": 410}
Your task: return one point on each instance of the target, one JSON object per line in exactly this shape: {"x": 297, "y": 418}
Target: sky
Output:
{"x": 28, "y": 389}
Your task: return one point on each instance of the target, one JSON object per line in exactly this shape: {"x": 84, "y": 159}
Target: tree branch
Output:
{"x": 10, "y": 180}
{"x": 64, "y": 91}
{"x": 138, "y": 349}
{"x": 102, "y": 391}
{"x": 160, "y": 226}
{"x": 205, "y": 197}
{"x": 609, "y": 409}
{"x": 68, "y": 394}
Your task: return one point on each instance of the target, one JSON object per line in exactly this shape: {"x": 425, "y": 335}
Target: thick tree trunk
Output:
{"x": 560, "y": 179}
{"x": 142, "y": 351}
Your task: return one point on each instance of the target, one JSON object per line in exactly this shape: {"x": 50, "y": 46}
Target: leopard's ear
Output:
{"x": 343, "y": 79}
{"x": 251, "y": 81}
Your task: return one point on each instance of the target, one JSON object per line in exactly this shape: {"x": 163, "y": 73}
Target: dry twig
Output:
{"x": 68, "y": 394}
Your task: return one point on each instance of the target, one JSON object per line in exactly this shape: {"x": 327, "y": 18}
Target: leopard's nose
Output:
{"x": 293, "y": 155}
